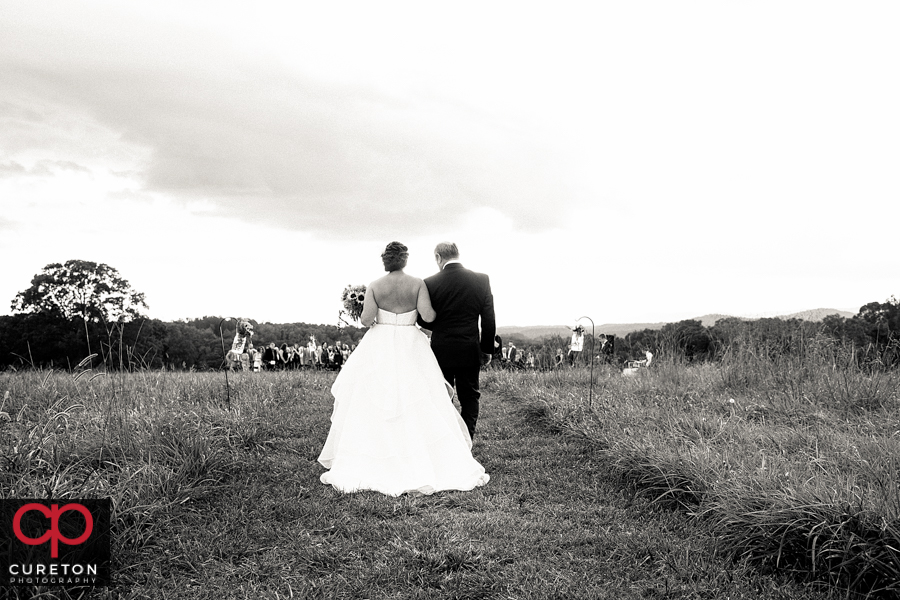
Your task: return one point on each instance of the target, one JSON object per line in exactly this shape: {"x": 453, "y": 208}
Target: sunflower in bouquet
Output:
{"x": 352, "y": 298}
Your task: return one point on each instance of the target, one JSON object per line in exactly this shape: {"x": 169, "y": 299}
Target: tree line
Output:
{"x": 50, "y": 341}
{"x": 81, "y": 309}
{"x": 874, "y": 332}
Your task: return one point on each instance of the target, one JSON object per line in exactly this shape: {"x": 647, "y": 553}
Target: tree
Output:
{"x": 635, "y": 343}
{"x": 852, "y": 330}
{"x": 881, "y": 319}
{"x": 40, "y": 339}
{"x": 688, "y": 336}
{"x": 94, "y": 292}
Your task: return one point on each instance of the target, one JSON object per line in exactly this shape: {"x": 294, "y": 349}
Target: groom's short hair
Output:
{"x": 447, "y": 250}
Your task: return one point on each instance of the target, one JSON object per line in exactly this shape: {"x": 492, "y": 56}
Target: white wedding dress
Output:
{"x": 394, "y": 428}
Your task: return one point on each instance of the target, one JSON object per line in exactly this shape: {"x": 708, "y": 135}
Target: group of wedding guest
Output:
{"x": 324, "y": 356}
{"x": 519, "y": 358}
{"x": 509, "y": 356}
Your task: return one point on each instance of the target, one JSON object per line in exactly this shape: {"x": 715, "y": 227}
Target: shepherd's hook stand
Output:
{"x": 591, "y": 394}
{"x": 227, "y": 388}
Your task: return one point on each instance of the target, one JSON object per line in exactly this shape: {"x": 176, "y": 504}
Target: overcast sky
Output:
{"x": 628, "y": 161}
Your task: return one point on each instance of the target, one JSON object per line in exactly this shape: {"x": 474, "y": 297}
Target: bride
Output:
{"x": 394, "y": 428}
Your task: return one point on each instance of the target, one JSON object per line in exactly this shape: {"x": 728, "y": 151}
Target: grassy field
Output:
{"x": 793, "y": 463}
{"x": 661, "y": 488}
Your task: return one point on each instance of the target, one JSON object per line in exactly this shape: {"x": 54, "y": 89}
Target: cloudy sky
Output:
{"x": 629, "y": 161}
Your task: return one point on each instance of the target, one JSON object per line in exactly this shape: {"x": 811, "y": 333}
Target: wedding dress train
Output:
{"x": 394, "y": 428}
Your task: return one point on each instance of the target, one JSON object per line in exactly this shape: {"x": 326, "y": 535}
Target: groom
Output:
{"x": 460, "y": 297}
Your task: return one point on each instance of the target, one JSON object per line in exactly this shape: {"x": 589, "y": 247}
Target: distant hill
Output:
{"x": 817, "y": 314}
{"x": 621, "y": 329}
{"x": 537, "y": 332}
{"x": 543, "y": 331}
{"x": 710, "y": 320}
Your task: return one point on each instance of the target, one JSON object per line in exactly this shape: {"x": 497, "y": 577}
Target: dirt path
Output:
{"x": 548, "y": 525}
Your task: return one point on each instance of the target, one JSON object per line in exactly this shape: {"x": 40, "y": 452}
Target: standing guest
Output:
{"x": 498, "y": 349}
{"x": 311, "y": 349}
{"x": 338, "y": 357}
{"x": 576, "y": 346}
{"x": 238, "y": 353}
{"x": 304, "y": 357}
{"x": 286, "y": 356}
{"x": 332, "y": 357}
{"x": 270, "y": 357}
{"x": 300, "y": 356}
{"x": 512, "y": 354}
{"x": 529, "y": 360}
{"x": 345, "y": 353}
{"x": 255, "y": 360}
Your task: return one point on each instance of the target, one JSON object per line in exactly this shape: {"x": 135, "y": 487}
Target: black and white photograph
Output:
{"x": 471, "y": 300}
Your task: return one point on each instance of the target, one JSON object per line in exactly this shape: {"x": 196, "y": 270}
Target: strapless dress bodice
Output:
{"x": 386, "y": 317}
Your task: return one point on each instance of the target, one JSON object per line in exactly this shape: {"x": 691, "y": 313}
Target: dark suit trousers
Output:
{"x": 461, "y": 365}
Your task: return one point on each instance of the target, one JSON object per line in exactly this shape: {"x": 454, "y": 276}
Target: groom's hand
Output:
{"x": 485, "y": 359}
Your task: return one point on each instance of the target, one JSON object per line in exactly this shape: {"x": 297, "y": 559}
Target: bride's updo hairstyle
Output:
{"x": 394, "y": 256}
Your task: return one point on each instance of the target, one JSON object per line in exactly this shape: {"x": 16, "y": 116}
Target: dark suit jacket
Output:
{"x": 460, "y": 297}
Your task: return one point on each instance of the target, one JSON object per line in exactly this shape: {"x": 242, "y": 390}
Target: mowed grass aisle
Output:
{"x": 257, "y": 523}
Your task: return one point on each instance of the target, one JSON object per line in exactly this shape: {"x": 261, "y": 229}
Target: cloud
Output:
{"x": 68, "y": 165}
{"x": 268, "y": 144}
{"x": 42, "y": 168}
{"x": 12, "y": 169}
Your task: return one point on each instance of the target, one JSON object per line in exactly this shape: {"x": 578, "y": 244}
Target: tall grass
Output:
{"x": 149, "y": 441}
{"x": 793, "y": 460}
{"x": 793, "y": 475}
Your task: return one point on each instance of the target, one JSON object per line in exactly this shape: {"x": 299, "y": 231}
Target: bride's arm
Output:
{"x": 370, "y": 308}
{"x": 423, "y": 304}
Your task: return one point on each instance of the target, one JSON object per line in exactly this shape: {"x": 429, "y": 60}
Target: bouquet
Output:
{"x": 352, "y": 298}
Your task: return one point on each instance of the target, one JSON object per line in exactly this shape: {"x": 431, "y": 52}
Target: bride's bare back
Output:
{"x": 398, "y": 293}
